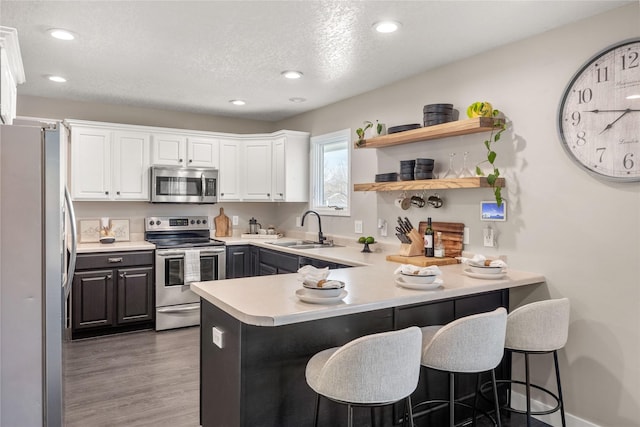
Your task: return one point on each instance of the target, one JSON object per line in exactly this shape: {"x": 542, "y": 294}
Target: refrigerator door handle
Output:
{"x": 74, "y": 243}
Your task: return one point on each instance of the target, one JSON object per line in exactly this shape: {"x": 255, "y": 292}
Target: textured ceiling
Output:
{"x": 197, "y": 55}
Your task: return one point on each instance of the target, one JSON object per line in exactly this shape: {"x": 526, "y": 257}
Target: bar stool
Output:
{"x": 538, "y": 328}
{"x": 472, "y": 344}
{"x": 374, "y": 370}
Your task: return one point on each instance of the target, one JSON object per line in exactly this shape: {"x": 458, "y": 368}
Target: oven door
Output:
{"x": 170, "y": 286}
{"x": 183, "y": 185}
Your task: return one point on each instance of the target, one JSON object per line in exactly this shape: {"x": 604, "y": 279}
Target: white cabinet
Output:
{"x": 11, "y": 73}
{"x": 185, "y": 150}
{"x": 290, "y": 167}
{"x": 109, "y": 165}
{"x": 265, "y": 168}
{"x": 257, "y": 170}
{"x": 230, "y": 170}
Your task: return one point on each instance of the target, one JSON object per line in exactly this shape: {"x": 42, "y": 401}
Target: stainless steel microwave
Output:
{"x": 184, "y": 185}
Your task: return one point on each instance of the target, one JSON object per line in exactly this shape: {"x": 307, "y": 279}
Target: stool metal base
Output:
{"x": 528, "y": 386}
{"x": 451, "y": 403}
{"x": 407, "y": 416}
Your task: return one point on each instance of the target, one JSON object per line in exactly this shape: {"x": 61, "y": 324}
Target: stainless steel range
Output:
{"x": 184, "y": 253}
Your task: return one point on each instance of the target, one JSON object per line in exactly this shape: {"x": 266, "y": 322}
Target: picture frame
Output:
{"x": 490, "y": 211}
{"x": 89, "y": 230}
{"x": 120, "y": 229}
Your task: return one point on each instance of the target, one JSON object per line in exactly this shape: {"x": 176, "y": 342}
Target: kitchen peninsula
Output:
{"x": 253, "y": 375}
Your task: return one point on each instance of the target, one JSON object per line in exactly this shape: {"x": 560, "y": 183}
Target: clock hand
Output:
{"x": 610, "y": 125}
{"x": 611, "y": 111}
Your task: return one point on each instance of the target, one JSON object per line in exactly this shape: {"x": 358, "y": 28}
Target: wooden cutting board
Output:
{"x": 421, "y": 260}
{"x": 452, "y": 236}
{"x": 223, "y": 224}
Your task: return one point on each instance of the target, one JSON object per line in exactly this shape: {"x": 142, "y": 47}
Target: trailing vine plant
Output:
{"x": 484, "y": 109}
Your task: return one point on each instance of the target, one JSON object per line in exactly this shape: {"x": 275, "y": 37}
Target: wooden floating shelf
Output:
{"x": 428, "y": 184}
{"x": 445, "y": 130}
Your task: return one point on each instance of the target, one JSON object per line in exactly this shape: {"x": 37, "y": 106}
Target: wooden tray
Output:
{"x": 421, "y": 261}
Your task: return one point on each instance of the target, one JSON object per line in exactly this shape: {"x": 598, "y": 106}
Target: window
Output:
{"x": 331, "y": 173}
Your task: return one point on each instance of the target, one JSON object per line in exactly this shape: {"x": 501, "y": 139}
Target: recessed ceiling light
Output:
{"x": 237, "y": 102}
{"x": 297, "y": 100}
{"x": 61, "y": 34}
{"x": 57, "y": 79}
{"x": 634, "y": 96}
{"x": 290, "y": 74}
{"x": 386, "y": 26}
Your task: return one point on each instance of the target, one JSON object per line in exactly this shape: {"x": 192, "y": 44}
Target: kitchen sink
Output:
{"x": 303, "y": 244}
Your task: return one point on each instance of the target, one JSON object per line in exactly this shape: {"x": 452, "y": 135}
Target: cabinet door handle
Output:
{"x": 222, "y": 194}
{"x": 180, "y": 160}
{"x": 106, "y": 192}
{"x": 112, "y": 260}
{"x": 281, "y": 194}
{"x": 118, "y": 193}
{"x": 109, "y": 277}
{"x": 268, "y": 194}
{"x": 190, "y": 160}
{"x": 123, "y": 275}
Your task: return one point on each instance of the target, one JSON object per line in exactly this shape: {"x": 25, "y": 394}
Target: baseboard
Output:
{"x": 519, "y": 400}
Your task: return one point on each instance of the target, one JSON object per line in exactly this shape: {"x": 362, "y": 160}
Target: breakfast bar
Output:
{"x": 257, "y": 336}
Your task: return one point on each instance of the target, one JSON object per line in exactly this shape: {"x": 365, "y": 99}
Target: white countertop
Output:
{"x": 139, "y": 245}
{"x": 271, "y": 300}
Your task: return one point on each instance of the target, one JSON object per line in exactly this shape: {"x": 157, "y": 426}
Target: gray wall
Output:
{"x": 582, "y": 233}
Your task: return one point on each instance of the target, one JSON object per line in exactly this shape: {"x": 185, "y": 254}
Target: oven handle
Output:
{"x": 181, "y": 253}
{"x": 179, "y": 309}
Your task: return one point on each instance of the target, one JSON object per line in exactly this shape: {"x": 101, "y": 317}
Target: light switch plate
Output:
{"x": 234, "y": 219}
{"x": 465, "y": 236}
{"x": 358, "y": 226}
{"x": 298, "y": 222}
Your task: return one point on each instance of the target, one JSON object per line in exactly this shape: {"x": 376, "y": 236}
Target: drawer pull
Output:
{"x": 123, "y": 275}
{"x": 113, "y": 260}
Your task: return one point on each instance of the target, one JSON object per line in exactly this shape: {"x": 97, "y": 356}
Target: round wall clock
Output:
{"x": 599, "y": 116}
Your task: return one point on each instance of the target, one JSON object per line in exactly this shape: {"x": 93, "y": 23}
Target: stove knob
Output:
{"x": 151, "y": 223}
{"x": 158, "y": 222}
{"x": 204, "y": 221}
{"x": 193, "y": 221}
{"x": 198, "y": 221}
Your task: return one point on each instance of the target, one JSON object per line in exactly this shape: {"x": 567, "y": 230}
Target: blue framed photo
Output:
{"x": 490, "y": 211}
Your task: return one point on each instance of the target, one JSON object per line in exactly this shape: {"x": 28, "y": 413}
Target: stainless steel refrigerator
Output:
{"x": 34, "y": 280}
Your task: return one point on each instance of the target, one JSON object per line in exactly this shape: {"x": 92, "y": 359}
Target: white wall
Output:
{"x": 581, "y": 232}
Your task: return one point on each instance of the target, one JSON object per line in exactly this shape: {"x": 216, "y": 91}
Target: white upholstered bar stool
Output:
{"x": 374, "y": 370}
{"x": 471, "y": 344}
{"x": 538, "y": 328}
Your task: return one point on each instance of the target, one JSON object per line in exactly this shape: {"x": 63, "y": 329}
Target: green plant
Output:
{"x": 484, "y": 109}
{"x": 361, "y": 131}
{"x": 379, "y": 127}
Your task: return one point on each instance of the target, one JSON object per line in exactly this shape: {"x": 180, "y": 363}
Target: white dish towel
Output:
{"x": 191, "y": 266}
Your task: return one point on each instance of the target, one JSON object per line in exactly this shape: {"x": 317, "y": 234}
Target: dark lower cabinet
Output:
{"x": 274, "y": 262}
{"x": 258, "y": 378}
{"x": 112, "y": 292}
{"x": 239, "y": 262}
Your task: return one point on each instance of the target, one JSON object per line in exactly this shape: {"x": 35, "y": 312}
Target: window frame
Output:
{"x": 316, "y": 171}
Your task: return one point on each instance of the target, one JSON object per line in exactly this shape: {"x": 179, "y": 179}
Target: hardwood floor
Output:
{"x": 131, "y": 380}
{"x": 144, "y": 379}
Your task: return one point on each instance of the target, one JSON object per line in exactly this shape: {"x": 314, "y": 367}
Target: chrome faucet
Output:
{"x": 321, "y": 238}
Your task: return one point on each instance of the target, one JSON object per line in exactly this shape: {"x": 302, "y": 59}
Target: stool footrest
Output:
{"x": 444, "y": 404}
{"x": 486, "y": 386}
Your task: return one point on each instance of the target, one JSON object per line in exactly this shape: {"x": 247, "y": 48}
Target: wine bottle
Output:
{"x": 428, "y": 239}
{"x": 438, "y": 246}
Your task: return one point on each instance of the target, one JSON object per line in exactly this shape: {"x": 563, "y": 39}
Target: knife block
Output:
{"x": 416, "y": 247}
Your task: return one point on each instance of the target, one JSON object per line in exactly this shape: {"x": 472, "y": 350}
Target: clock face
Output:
{"x": 599, "y": 117}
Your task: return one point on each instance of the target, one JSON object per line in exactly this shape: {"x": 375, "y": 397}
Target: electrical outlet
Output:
{"x": 298, "y": 221}
{"x": 382, "y": 225}
{"x": 465, "y": 236}
{"x": 217, "y": 337}
{"x": 234, "y": 219}
{"x": 358, "y": 226}
{"x": 488, "y": 237}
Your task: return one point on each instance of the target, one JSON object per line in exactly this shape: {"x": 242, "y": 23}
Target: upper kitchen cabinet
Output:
{"x": 185, "y": 150}
{"x": 108, "y": 164}
{"x": 270, "y": 168}
{"x": 290, "y": 167}
{"x": 11, "y": 73}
